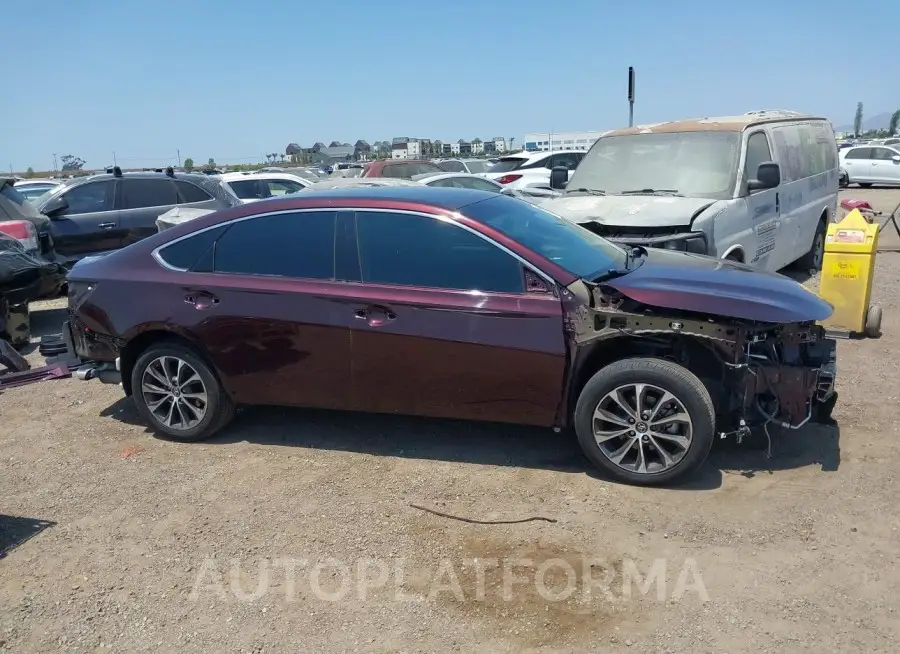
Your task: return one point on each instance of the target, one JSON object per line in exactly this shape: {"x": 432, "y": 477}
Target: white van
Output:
{"x": 758, "y": 188}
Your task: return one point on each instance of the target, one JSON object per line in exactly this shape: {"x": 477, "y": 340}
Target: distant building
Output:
{"x": 546, "y": 141}
{"x": 403, "y": 147}
{"x": 332, "y": 155}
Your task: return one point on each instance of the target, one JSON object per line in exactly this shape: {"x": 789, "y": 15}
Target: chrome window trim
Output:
{"x": 158, "y": 257}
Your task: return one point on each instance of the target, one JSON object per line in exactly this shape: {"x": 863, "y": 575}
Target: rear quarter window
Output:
{"x": 191, "y": 193}
{"x": 186, "y": 253}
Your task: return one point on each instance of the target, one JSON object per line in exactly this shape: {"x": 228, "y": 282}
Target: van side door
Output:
{"x": 765, "y": 249}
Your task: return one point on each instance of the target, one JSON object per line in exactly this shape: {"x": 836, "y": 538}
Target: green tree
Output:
{"x": 210, "y": 164}
{"x": 858, "y": 119}
{"x": 895, "y": 121}
{"x": 189, "y": 164}
{"x": 30, "y": 172}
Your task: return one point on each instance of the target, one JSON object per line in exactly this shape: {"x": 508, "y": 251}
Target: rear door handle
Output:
{"x": 375, "y": 315}
{"x": 106, "y": 225}
{"x": 777, "y": 203}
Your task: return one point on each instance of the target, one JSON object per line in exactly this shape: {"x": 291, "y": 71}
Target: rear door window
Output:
{"x": 279, "y": 187}
{"x": 142, "y": 193}
{"x": 249, "y": 189}
{"x": 191, "y": 193}
{"x": 297, "y": 244}
{"x": 401, "y": 249}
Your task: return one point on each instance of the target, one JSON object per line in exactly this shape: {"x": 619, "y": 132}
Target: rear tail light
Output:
{"x": 507, "y": 179}
{"x": 21, "y": 230}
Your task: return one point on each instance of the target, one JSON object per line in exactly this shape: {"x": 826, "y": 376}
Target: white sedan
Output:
{"x": 479, "y": 183}
{"x": 252, "y": 187}
{"x": 870, "y": 164}
{"x": 35, "y": 188}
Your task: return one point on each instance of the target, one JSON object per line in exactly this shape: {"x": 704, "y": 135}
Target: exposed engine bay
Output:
{"x": 758, "y": 374}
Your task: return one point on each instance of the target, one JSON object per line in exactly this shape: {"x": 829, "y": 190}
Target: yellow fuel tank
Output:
{"x": 848, "y": 270}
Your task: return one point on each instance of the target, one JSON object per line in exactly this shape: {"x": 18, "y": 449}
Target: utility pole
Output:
{"x": 631, "y": 96}
{"x": 179, "y": 157}
{"x": 115, "y": 163}
{"x": 55, "y": 167}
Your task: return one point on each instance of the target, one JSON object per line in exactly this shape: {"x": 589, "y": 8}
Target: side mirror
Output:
{"x": 896, "y": 158}
{"x": 559, "y": 177}
{"x": 768, "y": 175}
{"x": 55, "y": 207}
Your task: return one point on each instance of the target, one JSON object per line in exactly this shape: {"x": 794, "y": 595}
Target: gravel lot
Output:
{"x": 148, "y": 545}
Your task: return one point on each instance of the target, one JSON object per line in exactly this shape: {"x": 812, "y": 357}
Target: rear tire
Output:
{"x": 178, "y": 394}
{"x": 670, "y": 429}
{"x": 813, "y": 259}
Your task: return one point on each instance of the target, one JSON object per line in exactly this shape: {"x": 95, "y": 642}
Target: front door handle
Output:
{"x": 106, "y": 225}
{"x": 202, "y": 300}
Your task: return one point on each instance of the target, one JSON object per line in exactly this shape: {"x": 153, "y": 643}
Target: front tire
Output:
{"x": 645, "y": 421}
{"x": 178, "y": 394}
{"x": 813, "y": 259}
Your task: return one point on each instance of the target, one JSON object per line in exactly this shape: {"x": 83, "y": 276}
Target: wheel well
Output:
{"x": 139, "y": 344}
{"x": 824, "y": 218}
{"x": 736, "y": 255}
{"x": 689, "y": 352}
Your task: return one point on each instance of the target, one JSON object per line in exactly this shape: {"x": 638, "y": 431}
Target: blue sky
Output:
{"x": 233, "y": 80}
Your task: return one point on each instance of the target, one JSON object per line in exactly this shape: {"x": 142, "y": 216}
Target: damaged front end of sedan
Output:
{"x": 758, "y": 373}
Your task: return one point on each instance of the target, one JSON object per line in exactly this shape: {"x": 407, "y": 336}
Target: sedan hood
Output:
{"x": 628, "y": 210}
{"x": 692, "y": 282}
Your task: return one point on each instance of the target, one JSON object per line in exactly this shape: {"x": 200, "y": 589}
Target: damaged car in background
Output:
{"x": 758, "y": 188}
{"x": 452, "y": 303}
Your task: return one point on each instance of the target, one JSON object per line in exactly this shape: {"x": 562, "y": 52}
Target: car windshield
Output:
{"x": 692, "y": 164}
{"x": 477, "y": 166}
{"x": 570, "y": 246}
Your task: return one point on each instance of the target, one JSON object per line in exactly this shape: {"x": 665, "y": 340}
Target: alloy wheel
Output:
{"x": 642, "y": 428}
{"x": 174, "y": 393}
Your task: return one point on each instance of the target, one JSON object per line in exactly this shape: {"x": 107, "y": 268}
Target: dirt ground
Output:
{"x": 145, "y": 545}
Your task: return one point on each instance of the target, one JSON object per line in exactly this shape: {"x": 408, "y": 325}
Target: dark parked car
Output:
{"x": 451, "y": 303}
{"x": 100, "y": 213}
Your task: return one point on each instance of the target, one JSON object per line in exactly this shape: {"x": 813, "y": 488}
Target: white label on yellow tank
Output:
{"x": 845, "y": 270}
{"x": 850, "y": 236}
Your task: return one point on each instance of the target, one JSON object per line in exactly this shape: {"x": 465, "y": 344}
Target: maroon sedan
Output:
{"x": 451, "y": 303}
{"x": 400, "y": 168}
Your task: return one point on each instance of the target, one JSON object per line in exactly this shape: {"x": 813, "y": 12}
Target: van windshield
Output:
{"x": 692, "y": 164}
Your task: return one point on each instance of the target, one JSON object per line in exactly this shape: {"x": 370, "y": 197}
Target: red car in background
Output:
{"x": 400, "y": 168}
{"x": 453, "y": 303}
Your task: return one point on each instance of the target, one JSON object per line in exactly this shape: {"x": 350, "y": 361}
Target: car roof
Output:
{"x": 230, "y": 177}
{"x": 718, "y": 123}
{"x": 34, "y": 180}
{"x": 208, "y": 183}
